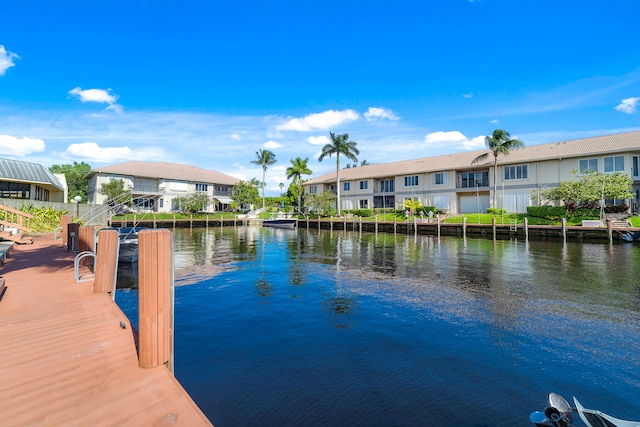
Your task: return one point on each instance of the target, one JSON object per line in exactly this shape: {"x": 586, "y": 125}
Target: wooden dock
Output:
{"x": 65, "y": 357}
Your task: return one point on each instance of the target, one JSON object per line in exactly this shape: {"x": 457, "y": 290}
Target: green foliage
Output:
{"x": 193, "y": 203}
{"x": 244, "y": 194}
{"x": 590, "y": 189}
{"x": 115, "y": 193}
{"x": 44, "y": 219}
{"x": 339, "y": 144}
{"x": 75, "y": 175}
{"x": 298, "y": 168}
{"x": 264, "y": 158}
{"x": 552, "y": 213}
{"x": 412, "y": 205}
{"x": 496, "y": 211}
{"x": 364, "y": 213}
{"x": 321, "y": 204}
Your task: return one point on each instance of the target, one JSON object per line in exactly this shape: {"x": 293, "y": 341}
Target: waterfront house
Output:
{"x": 155, "y": 186}
{"x": 31, "y": 181}
{"x": 454, "y": 185}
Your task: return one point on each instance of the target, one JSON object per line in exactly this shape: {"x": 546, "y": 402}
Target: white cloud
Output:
{"x": 494, "y": 121}
{"x": 13, "y": 146}
{"x": 90, "y": 151}
{"x": 272, "y": 144}
{"x": 468, "y": 95}
{"x": 100, "y": 96}
{"x": 6, "y": 60}
{"x": 318, "y": 140}
{"x": 324, "y": 120}
{"x": 236, "y": 137}
{"x": 374, "y": 113}
{"x": 455, "y": 138}
{"x": 628, "y": 105}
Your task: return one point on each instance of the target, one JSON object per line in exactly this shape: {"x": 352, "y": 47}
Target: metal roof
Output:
{"x": 15, "y": 170}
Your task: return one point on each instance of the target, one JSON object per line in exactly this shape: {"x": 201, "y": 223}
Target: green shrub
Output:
{"x": 548, "y": 212}
{"x": 496, "y": 211}
{"x": 365, "y": 213}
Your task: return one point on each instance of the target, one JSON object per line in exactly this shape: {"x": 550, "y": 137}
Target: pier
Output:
{"x": 68, "y": 355}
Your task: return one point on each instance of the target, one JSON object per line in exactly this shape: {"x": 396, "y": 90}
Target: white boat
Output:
{"x": 595, "y": 418}
{"x": 280, "y": 223}
{"x": 559, "y": 414}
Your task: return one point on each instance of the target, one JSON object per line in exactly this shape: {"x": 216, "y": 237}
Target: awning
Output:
{"x": 223, "y": 199}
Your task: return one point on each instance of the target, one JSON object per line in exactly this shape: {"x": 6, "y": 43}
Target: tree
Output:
{"x": 296, "y": 170}
{"x": 193, "y": 203}
{"x": 244, "y": 194}
{"x": 255, "y": 182}
{"x": 264, "y": 158}
{"x": 115, "y": 193}
{"x": 75, "y": 175}
{"x": 412, "y": 205}
{"x": 499, "y": 142}
{"x": 339, "y": 144}
{"x": 591, "y": 189}
{"x": 320, "y": 203}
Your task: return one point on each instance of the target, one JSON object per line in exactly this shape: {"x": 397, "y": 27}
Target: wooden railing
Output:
{"x": 15, "y": 218}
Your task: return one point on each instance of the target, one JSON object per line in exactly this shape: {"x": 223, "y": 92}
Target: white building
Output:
{"x": 155, "y": 186}
{"x": 31, "y": 181}
{"x": 454, "y": 185}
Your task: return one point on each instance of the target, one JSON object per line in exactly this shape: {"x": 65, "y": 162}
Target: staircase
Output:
{"x": 12, "y": 225}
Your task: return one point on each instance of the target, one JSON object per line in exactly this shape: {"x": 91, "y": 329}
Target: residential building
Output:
{"x": 31, "y": 181}
{"x": 156, "y": 186}
{"x": 454, "y": 185}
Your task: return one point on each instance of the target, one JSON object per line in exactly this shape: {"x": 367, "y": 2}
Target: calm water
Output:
{"x": 296, "y": 328}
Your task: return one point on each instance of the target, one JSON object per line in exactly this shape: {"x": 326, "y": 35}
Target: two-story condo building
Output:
{"x": 454, "y": 185}
{"x": 155, "y": 186}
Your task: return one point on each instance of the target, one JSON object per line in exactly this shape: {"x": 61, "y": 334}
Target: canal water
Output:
{"x": 321, "y": 328}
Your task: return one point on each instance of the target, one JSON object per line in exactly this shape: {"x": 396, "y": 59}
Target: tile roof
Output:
{"x": 621, "y": 142}
{"x": 166, "y": 170}
{"x": 15, "y": 170}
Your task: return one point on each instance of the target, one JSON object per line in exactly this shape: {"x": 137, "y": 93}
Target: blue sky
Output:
{"x": 209, "y": 83}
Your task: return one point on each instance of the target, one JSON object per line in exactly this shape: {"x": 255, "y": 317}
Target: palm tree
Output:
{"x": 296, "y": 170}
{"x": 255, "y": 182}
{"x": 339, "y": 144}
{"x": 499, "y": 143}
{"x": 264, "y": 158}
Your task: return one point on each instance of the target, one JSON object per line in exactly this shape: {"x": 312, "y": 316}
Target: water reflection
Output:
{"x": 383, "y": 329}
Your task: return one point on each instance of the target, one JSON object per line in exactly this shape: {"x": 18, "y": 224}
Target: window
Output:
{"x": 473, "y": 179}
{"x": 313, "y": 189}
{"x": 202, "y": 187}
{"x": 588, "y": 165}
{"x": 346, "y": 186}
{"x": 411, "y": 181}
{"x": 387, "y": 186}
{"x": 364, "y": 203}
{"x": 614, "y": 164}
{"x": 441, "y": 202}
{"x": 516, "y": 172}
{"x": 441, "y": 178}
{"x": 364, "y": 185}
{"x": 162, "y": 203}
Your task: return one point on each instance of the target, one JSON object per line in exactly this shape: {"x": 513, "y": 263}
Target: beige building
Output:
{"x": 454, "y": 185}
{"x": 155, "y": 186}
{"x": 31, "y": 181}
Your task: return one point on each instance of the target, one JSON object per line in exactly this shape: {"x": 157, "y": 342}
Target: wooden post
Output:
{"x": 154, "y": 221}
{"x": 415, "y": 227}
{"x": 155, "y": 298}
{"x": 72, "y": 239}
{"x": 526, "y": 228}
{"x": 610, "y": 231}
{"x": 395, "y": 224}
{"x": 564, "y": 229}
{"x": 107, "y": 262}
{"x": 438, "y": 221}
{"x": 65, "y": 220}
{"x": 464, "y": 227}
{"x": 86, "y": 242}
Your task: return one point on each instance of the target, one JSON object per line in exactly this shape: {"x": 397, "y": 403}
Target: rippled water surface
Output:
{"x": 307, "y": 328}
